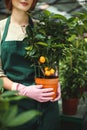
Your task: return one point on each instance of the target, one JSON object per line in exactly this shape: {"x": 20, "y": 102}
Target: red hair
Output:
{"x": 9, "y": 4}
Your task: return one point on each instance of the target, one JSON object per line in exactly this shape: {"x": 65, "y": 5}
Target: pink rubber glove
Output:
{"x": 58, "y": 95}
{"x": 35, "y": 92}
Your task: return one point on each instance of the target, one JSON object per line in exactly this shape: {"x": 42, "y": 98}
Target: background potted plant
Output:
{"x": 45, "y": 45}
{"x": 74, "y": 67}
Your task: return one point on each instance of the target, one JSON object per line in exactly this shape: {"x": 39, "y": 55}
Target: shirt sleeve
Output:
{"x": 1, "y": 70}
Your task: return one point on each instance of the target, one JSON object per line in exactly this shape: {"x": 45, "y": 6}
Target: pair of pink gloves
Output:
{"x": 37, "y": 92}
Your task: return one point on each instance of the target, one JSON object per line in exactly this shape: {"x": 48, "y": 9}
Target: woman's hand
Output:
{"x": 36, "y": 92}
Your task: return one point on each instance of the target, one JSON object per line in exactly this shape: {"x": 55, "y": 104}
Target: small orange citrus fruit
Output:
{"x": 47, "y": 73}
{"x": 46, "y": 68}
{"x": 42, "y": 59}
{"x": 52, "y": 71}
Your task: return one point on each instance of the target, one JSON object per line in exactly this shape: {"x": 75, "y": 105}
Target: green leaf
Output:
{"x": 10, "y": 114}
{"x": 15, "y": 98}
{"x": 9, "y": 93}
{"x": 59, "y": 16}
{"x": 47, "y": 13}
{"x": 1, "y": 85}
{"x": 23, "y": 118}
{"x": 42, "y": 43}
{"x": 29, "y": 48}
{"x": 4, "y": 105}
{"x": 39, "y": 36}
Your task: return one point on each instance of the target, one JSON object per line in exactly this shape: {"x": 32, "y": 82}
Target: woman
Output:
{"x": 16, "y": 73}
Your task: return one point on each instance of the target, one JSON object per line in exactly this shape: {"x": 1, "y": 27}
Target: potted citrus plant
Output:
{"x": 74, "y": 67}
{"x": 45, "y": 45}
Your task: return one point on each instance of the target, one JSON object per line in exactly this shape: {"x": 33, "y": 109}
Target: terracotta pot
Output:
{"x": 48, "y": 83}
{"x": 69, "y": 106}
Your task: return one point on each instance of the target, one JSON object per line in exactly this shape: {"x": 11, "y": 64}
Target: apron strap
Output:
{"x": 6, "y": 29}
{"x": 5, "y": 32}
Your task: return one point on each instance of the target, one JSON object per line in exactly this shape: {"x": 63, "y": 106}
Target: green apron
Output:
{"x": 18, "y": 69}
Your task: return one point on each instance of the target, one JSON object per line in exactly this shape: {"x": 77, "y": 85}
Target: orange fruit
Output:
{"x": 47, "y": 73}
{"x": 46, "y": 68}
{"x": 42, "y": 59}
{"x": 52, "y": 71}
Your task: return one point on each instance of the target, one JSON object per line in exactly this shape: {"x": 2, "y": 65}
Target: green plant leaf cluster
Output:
{"x": 9, "y": 116}
{"x": 48, "y": 38}
{"x": 73, "y": 69}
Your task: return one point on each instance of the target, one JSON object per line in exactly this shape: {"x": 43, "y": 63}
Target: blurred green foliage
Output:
{"x": 9, "y": 116}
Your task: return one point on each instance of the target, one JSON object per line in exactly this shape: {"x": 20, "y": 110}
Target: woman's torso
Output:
{"x": 15, "y": 65}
